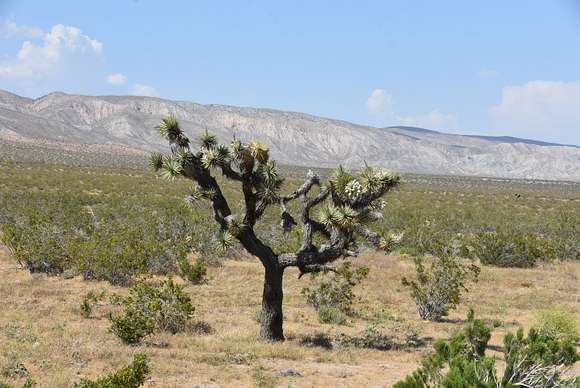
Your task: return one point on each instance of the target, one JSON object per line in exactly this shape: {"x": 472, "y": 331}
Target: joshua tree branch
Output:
{"x": 370, "y": 236}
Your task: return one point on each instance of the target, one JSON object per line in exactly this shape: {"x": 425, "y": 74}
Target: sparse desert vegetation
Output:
{"x": 87, "y": 247}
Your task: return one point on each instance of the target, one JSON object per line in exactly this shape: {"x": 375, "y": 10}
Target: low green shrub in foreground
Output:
{"x": 333, "y": 298}
{"x": 131, "y": 376}
{"x": 148, "y": 307}
{"x": 558, "y": 324}
{"x": 532, "y": 361}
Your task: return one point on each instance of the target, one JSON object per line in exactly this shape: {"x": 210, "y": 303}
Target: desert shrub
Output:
{"x": 14, "y": 369}
{"x": 131, "y": 376}
{"x": 165, "y": 307}
{"x": 370, "y": 338}
{"x": 263, "y": 378}
{"x": 508, "y": 248}
{"x": 195, "y": 273}
{"x": 329, "y": 314}
{"x": 86, "y": 306}
{"x": 132, "y": 325}
{"x": 167, "y": 304}
{"x": 112, "y": 239}
{"x": 532, "y": 361}
{"x": 558, "y": 324}
{"x": 437, "y": 288}
{"x": 200, "y": 328}
{"x": 333, "y": 298}
{"x": 525, "y": 354}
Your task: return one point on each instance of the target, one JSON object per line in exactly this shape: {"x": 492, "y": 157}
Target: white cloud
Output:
{"x": 36, "y": 60}
{"x": 379, "y": 102}
{"x": 116, "y": 79}
{"x": 546, "y": 110}
{"x": 9, "y": 29}
{"x": 144, "y": 90}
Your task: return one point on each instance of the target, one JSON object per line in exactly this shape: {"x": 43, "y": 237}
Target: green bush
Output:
{"x": 333, "y": 298}
{"x": 536, "y": 357}
{"x": 195, "y": 273}
{"x": 371, "y": 338}
{"x": 112, "y": 238}
{"x": 329, "y": 314}
{"x": 165, "y": 306}
{"x": 132, "y": 325}
{"x": 438, "y": 287}
{"x": 131, "y": 376}
{"x": 557, "y": 324}
{"x": 532, "y": 361}
{"x": 507, "y": 248}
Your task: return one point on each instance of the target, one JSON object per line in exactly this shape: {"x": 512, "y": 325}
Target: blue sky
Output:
{"x": 478, "y": 67}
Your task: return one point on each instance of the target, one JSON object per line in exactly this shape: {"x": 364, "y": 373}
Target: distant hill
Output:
{"x": 125, "y": 125}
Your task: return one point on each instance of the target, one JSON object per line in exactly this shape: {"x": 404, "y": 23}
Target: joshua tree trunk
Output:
{"x": 271, "y": 319}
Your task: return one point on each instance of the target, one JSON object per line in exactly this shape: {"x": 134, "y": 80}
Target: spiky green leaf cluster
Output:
{"x": 156, "y": 161}
{"x": 369, "y": 181}
{"x": 171, "y": 168}
{"x": 340, "y": 179}
{"x": 389, "y": 241}
{"x": 207, "y": 140}
{"x": 215, "y": 156}
{"x": 196, "y": 194}
{"x": 169, "y": 129}
{"x": 241, "y": 155}
{"x": 342, "y": 217}
{"x": 378, "y": 180}
{"x": 182, "y": 154}
{"x": 259, "y": 151}
{"x": 225, "y": 240}
{"x": 346, "y": 217}
{"x": 269, "y": 182}
{"x": 234, "y": 225}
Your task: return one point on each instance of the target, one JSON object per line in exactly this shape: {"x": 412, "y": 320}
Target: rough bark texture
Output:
{"x": 272, "y": 316}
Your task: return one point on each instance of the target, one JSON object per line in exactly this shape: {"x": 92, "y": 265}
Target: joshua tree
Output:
{"x": 348, "y": 202}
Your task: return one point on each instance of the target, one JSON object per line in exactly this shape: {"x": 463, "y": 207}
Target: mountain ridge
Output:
{"x": 294, "y": 138}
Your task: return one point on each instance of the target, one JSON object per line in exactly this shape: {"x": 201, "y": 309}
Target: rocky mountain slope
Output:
{"x": 125, "y": 124}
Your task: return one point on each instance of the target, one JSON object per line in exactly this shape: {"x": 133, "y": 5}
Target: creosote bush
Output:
{"x": 532, "y": 361}
{"x": 132, "y": 325}
{"x": 131, "y": 376}
{"x": 509, "y": 248}
{"x": 112, "y": 238}
{"x": 557, "y": 323}
{"x": 333, "y": 298}
{"x": 437, "y": 287}
{"x": 195, "y": 273}
{"x": 148, "y": 307}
